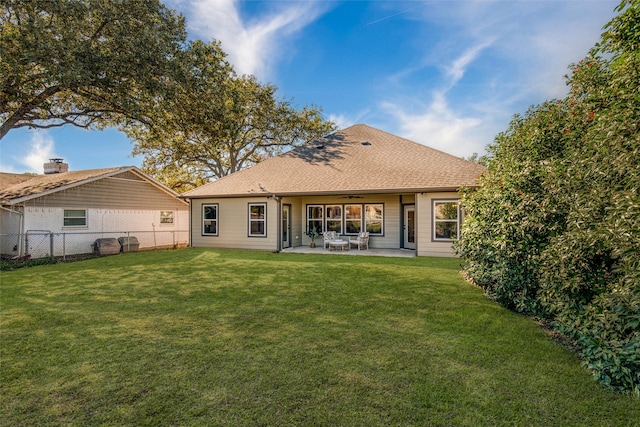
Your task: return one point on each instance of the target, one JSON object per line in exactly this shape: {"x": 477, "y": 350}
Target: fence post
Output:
{"x": 51, "y": 244}
{"x": 64, "y": 246}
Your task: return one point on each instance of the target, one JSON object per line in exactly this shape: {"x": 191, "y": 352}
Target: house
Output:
{"x": 357, "y": 179}
{"x": 69, "y": 210}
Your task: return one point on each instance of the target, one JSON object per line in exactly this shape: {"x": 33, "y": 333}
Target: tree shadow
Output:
{"x": 323, "y": 150}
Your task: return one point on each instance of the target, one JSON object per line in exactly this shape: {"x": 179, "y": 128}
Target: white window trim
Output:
{"x": 321, "y": 219}
{"x": 172, "y": 216}
{"x": 86, "y": 218}
{"x": 434, "y": 221}
{"x": 250, "y": 220}
{"x": 364, "y": 214}
{"x": 339, "y": 220}
{"x": 216, "y": 220}
{"x": 344, "y": 215}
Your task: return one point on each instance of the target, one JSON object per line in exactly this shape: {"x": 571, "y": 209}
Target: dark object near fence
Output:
{"x": 107, "y": 246}
{"x": 129, "y": 244}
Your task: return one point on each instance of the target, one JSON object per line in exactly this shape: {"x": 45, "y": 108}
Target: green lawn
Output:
{"x": 239, "y": 338}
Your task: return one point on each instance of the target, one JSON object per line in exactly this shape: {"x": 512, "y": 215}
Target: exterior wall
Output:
{"x": 425, "y": 245}
{"x": 124, "y": 191}
{"x": 233, "y": 221}
{"x": 233, "y": 224}
{"x": 391, "y": 222}
{"x": 142, "y": 224}
{"x": 119, "y": 204}
{"x": 10, "y": 223}
{"x": 297, "y": 227}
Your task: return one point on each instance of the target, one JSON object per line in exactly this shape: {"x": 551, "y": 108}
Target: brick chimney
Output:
{"x": 55, "y": 166}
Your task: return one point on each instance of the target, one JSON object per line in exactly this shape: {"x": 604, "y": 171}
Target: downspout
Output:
{"x": 279, "y": 225}
{"x": 21, "y": 229}
{"x": 191, "y": 223}
{"x": 402, "y": 224}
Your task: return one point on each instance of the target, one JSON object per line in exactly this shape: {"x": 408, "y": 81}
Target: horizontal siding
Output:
{"x": 126, "y": 191}
{"x": 233, "y": 226}
{"x": 297, "y": 231}
{"x": 392, "y": 214}
{"x": 424, "y": 229}
{"x": 233, "y": 219}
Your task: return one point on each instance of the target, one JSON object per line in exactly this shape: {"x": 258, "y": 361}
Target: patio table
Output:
{"x": 338, "y": 244}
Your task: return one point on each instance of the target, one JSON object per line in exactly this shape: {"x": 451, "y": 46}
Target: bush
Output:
{"x": 554, "y": 229}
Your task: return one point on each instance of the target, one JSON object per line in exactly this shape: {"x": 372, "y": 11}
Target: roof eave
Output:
{"x": 447, "y": 189}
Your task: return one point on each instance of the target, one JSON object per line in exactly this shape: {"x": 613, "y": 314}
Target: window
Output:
{"x": 352, "y": 219}
{"x": 373, "y": 215}
{"x": 257, "y": 220}
{"x": 210, "y": 220}
{"x": 166, "y": 217}
{"x": 334, "y": 218}
{"x": 446, "y": 220}
{"x": 347, "y": 219}
{"x": 315, "y": 218}
{"x": 75, "y": 218}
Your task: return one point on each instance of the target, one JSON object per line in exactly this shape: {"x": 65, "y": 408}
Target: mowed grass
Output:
{"x": 201, "y": 337}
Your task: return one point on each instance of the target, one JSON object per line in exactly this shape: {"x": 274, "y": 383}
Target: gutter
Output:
{"x": 332, "y": 193}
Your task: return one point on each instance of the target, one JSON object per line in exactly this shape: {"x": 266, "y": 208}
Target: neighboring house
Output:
{"x": 86, "y": 205}
{"x": 357, "y": 179}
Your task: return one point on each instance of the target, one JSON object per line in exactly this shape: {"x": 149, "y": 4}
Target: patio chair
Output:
{"x": 361, "y": 240}
{"x": 328, "y": 236}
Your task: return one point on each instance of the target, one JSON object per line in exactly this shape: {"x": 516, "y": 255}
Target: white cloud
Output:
{"x": 437, "y": 126}
{"x": 519, "y": 53}
{"x": 41, "y": 149}
{"x": 458, "y": 67}
{"x": 253, "y": 47}
{"x": 341, "y": 120}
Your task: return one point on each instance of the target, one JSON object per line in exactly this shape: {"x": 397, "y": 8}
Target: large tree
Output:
{"x": 88, "y": 63}
{"x": 219, "y": 123}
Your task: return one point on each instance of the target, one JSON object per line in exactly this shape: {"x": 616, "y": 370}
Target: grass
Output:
{"x": 202, "y": 337}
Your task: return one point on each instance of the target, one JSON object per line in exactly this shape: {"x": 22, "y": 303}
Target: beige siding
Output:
{"x": 233, "y": 221}
{"x": 233, "y": 224}
{"x": 392, "y": 214}
{"x": 297, "y": 228}
{"x": 125, "y": 191}
{"x": 425, "y": 246}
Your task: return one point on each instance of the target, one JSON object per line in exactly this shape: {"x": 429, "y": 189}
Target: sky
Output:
{"x": 450, "y": 74}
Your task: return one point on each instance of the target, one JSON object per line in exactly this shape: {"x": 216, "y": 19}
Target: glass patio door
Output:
{"x": 286, "y": 226}
{"x": 409, "y": 227}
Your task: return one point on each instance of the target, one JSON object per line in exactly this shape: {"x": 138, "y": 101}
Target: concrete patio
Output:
{"x": 320, "y": 250}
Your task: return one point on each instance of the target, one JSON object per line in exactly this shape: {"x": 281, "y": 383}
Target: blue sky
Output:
{"x": 448, "y": 74}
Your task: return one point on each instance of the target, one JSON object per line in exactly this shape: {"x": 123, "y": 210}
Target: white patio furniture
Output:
{"x": 361, "y": 240}
{"x": 338, "y": 245}
{"x": 328, "y": 237}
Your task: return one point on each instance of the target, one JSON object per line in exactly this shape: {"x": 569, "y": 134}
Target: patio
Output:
{"x": 319, "y": 250}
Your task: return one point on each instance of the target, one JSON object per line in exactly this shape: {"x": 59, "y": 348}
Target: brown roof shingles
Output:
{"x": 359, "y": 159}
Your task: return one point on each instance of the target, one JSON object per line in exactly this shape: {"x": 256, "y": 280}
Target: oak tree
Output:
{"x": 87, "y": 63}
{"x": 219, "y": 123}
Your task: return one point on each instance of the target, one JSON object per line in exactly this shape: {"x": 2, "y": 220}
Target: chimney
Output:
{"x": 55, "y": 166}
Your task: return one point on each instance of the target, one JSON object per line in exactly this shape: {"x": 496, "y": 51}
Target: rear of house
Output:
{"x": 359, "y": 179}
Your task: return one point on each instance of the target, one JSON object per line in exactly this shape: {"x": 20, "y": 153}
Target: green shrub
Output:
{"x": 554, "y": 229}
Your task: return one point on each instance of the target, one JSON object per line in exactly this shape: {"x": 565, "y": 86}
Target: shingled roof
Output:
{"x": 40, "y": 185}
{"x": 356, "y": 160}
